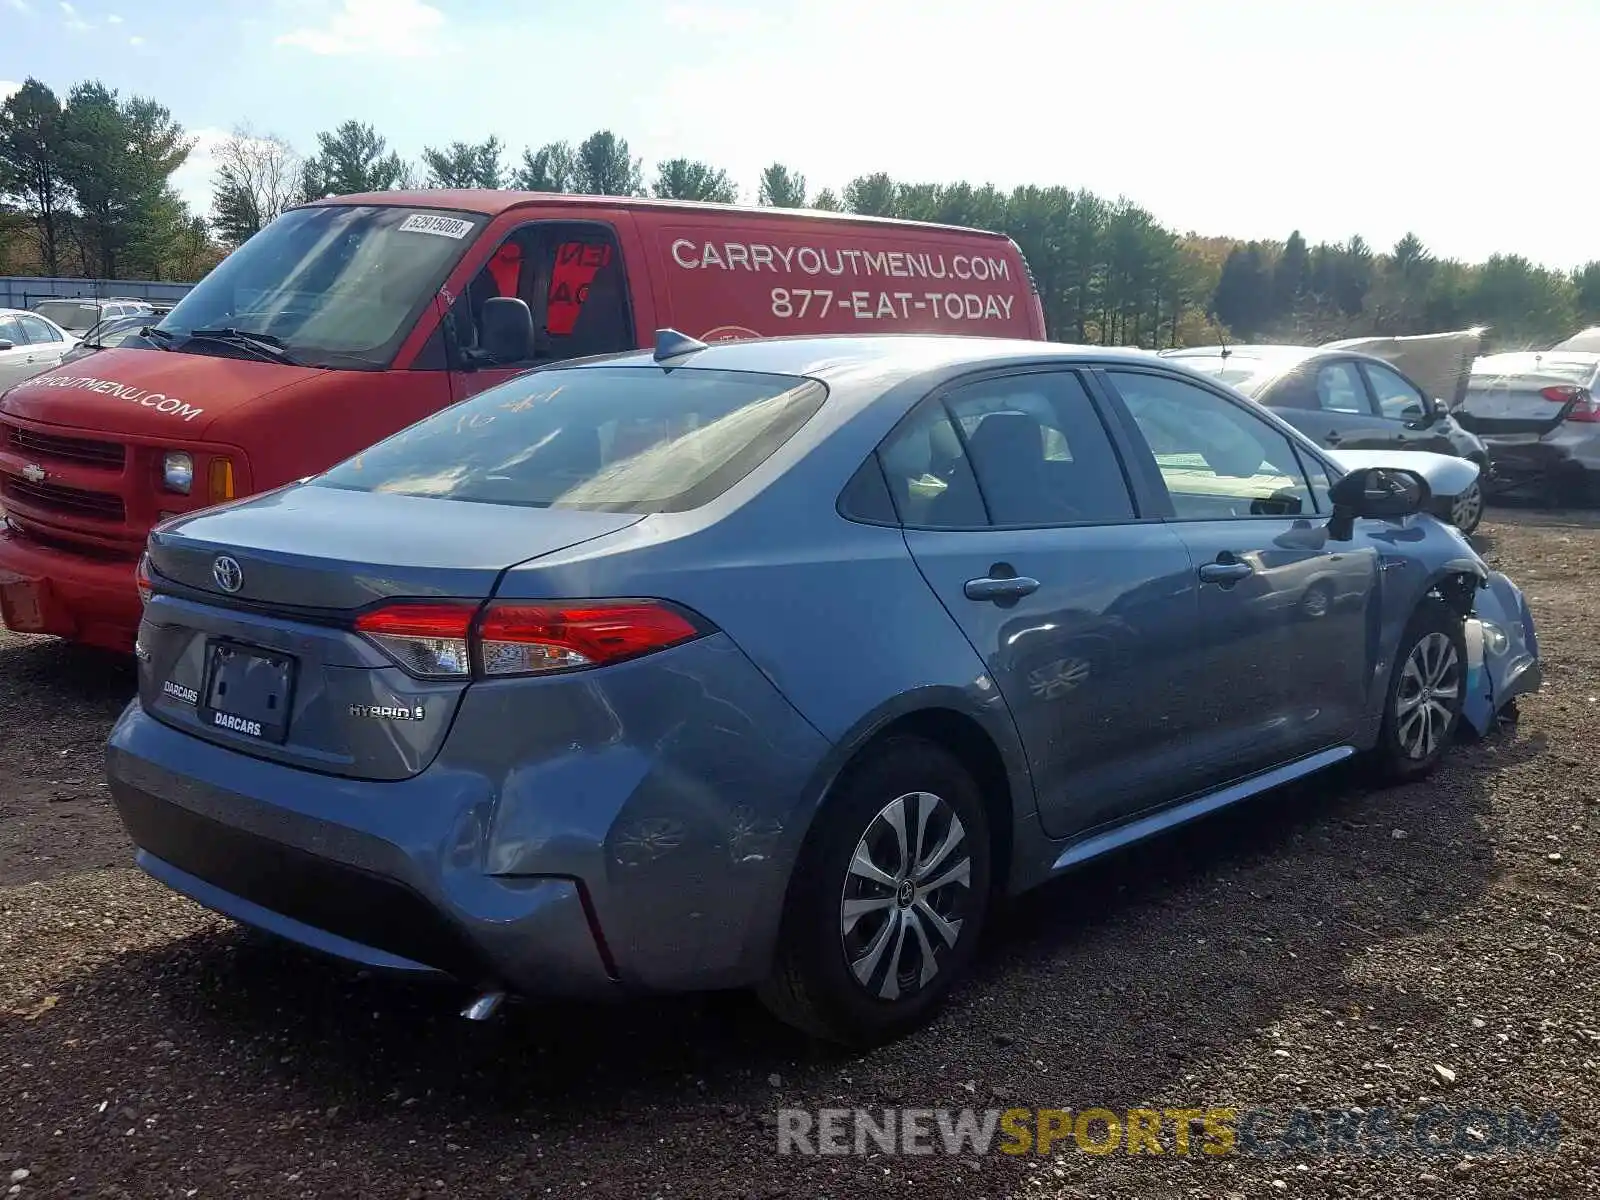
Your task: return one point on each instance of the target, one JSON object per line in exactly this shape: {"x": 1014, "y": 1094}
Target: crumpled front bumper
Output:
{"x": 1502, "y": 652}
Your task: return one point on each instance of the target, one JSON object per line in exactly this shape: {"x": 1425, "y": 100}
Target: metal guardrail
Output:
{"x": 24, "y": 291}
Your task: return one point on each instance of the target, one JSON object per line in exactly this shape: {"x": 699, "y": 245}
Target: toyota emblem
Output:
{"x": 227, "y": 573}
{"x": 34, "y": 473}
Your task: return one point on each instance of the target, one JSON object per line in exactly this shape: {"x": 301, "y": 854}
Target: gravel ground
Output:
{"x": 1299, "y": 952}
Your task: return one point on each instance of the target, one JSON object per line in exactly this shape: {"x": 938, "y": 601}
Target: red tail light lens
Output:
{"x": 437, "y": 640}
{"x": 1583, "y": 406}
{"x": 429, "y": 640}
{"x": 141, "y": 579}
{"x": 530, "y": 639}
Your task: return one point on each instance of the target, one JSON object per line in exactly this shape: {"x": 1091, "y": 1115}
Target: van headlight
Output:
{"x": 177, "y": 472}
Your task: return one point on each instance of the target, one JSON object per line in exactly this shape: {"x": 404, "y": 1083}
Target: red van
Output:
{"x": 347, "y": 319}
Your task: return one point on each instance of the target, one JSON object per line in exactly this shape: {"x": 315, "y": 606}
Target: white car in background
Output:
{"x": 29, "y": 344}
{"x": 1538, "y": 413}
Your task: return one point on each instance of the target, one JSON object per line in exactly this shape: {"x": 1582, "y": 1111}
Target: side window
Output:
{"x": 929, "y": 477}
{"x": 1398, "y": 399}
{"x": 11, "y": 331}
{"x": 1041, "y": 455}
{"x": 1317, "y": 477}
{"x": 1297, "y": 389}
{"x": 1339, "y": 389}
{"x": 571, "y": 278}
{"x": 38, "y": 332}
{"x": 1217, "y": 459}
{"x": 866, "y": 496}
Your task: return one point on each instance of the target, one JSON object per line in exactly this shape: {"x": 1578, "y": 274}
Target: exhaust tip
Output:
{"x": 484, "y": 1007}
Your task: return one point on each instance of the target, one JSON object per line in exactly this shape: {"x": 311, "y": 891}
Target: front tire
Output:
{"x": 1466, "y": 511}
{"x": 1426, "y": 688}
{"x": 888, "y": 898}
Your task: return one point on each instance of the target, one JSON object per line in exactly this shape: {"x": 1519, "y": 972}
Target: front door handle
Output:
{"x": 1012, "y": 587}
{"x": 1225, "y": 572}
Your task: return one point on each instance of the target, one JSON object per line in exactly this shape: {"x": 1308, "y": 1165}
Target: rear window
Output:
{"x": 613, "y": 439}
{"x": 1242, "y": 373}
{"x": 76, "y": 315}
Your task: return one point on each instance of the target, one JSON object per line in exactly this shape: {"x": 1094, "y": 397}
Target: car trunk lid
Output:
{"x": 249, "y": 639}
{"x": 1525, "y": 396}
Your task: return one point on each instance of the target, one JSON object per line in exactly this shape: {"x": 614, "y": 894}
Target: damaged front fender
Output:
{"x": 1502, "y": 652}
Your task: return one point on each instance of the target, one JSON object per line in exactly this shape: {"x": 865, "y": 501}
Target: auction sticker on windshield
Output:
{"x": 450, "y": 227}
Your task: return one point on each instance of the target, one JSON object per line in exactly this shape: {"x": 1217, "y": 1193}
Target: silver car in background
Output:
{"x": 1536, "y": 413}
{"x": 29, "y": 344}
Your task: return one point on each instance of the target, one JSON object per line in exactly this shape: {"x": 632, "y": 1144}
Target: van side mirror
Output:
{"x": 505, "y": 332}
{"x": 1380, "y": 492}
{"x": 6, "y": 344}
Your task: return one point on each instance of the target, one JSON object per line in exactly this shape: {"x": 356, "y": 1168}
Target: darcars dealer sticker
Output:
{"x": 450, "y": 227}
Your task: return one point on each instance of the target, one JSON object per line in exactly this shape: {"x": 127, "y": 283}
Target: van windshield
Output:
{"x": 613, "y": 439}
{"x": 335, "y": 286}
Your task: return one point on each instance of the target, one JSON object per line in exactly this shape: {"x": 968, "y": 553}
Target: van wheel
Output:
{"x": 887, "y": 900}
{"x": 1426, "y": 690}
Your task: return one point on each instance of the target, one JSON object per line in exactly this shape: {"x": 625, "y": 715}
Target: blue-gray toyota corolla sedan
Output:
{"x": 775, "y": 664}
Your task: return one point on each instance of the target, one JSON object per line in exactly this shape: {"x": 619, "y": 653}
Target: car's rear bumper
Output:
{"x": 46, "y": 590}
{"x": 358, "y": 906}
{"x": 654, "y": 858}
{"x": 1571, "y": 452}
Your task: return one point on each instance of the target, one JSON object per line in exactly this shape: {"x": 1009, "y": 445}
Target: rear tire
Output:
{"x": 1427, "y": 685}
{"x": 875, "y": 929}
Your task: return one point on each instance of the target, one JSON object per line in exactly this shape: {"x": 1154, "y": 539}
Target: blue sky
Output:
{"x": 1468, "y": 121}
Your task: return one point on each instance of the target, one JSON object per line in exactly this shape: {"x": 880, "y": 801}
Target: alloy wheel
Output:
{"x": 906, "y": 895}
{"x": 1429, "y": 694}
{"x": 1467, "y": 508}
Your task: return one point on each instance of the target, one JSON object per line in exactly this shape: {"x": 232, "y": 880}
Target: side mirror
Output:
{"x": 505, "y": 333}
{"x": 1380, "y": 492}
{"x": 6, "y": 345}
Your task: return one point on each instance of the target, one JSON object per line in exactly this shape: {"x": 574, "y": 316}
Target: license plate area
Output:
{"x": 248, "y": 690}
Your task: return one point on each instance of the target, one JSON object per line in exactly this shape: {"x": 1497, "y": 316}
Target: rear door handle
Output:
{"x": 1010, "y": 588}
{"x": 1224, "y": 572}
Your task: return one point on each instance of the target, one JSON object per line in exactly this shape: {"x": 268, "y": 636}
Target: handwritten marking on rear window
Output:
{"x": 450, "y": 227}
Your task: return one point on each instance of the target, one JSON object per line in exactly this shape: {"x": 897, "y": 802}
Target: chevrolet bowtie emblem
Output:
{"x": 33, "y": 473}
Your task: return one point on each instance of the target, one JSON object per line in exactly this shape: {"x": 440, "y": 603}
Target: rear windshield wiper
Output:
{"x": 262, "y": 345}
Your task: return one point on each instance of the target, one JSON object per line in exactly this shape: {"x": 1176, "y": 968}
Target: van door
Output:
{"x": 575, "y": 281}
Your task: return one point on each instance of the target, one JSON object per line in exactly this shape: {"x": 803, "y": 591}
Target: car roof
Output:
{"x": 886, "y": 357}
{"x": 1266, "y": 352}
{"x": 493, "y": 203}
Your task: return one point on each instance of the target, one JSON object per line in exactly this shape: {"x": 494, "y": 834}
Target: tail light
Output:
{"x": 1583, "y": 405}
{"x": 442, "y": 640}
{"x": 141, "y": 579}
{"x": 1583, "y": 408}
{"x": 426, "y": 640}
